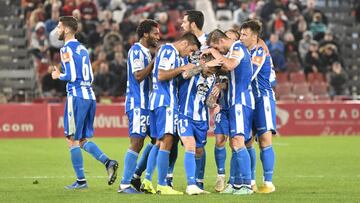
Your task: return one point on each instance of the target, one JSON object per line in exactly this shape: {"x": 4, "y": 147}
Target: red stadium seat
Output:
{"x": 306, "y": 98}
{"x": 315, "y": 78}
{"x": 297, "y": 77}
{"x": 282, "y": 78}
{"x": 283, "y": 89}
{"x": 288, "y": 97}
{"x": 323, "y": 97}
{"x": 301, "y": 89}
{"x": 319, "y": 88}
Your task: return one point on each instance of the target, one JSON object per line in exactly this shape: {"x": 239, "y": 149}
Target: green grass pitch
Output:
{"x": 308, "y": 169}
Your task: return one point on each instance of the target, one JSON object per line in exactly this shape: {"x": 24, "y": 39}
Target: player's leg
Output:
{"x": 267, "y": 155}
{"x": 166, "y": 133}
{"x": 141, "y": 165}
{"x": 221, "y": 132}
{"x": 252, "y": 153}
{"x": 73, "y": 123}
{"x": 241, "y": 118}
{"x": 137, "y": 132}
{"x": 200, "y": 129}
{"x": 147, "y": 185}
{"x": 200, "y": 159}
{"x": 90, "y": 147}
{"x": 172, "y": 161}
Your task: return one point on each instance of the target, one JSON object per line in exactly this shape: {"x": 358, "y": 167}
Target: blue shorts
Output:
{"x": 240, "y": 117}
{"x": 264, "y": 116}
{"x": 139, "y": 123}
{"x": 222, "y": 126}
{"x": 79, "y": 117}
{"x": 163, "y": 120}
{"x": 189, "y": 127}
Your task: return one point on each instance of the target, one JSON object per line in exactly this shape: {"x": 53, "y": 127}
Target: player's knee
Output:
{"x": 136, "y": 144}
{"x": 265, "y": 139}
{"x": 189, "y": 143}
{"x": 220, "y": 141}
{"x": 199, "y": 151}
{"x": 166, "y": 142}
{"x": 71, "y": 142}
{"x": 250, "y": 142}
{"x": 82, "y": 142}
{"x": 237, "y": 142}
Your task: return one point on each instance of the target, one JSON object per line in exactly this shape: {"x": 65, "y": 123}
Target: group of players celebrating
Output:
{"x": 168, "y": 98}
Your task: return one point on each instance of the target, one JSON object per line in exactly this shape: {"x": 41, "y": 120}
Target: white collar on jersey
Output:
{"x": 171, "y": 44}
{"x": 72, "y": 40}
{"x": 142, "y": 47}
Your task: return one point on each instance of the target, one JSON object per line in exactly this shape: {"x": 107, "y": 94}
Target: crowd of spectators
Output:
{"x": 297, "y": 35}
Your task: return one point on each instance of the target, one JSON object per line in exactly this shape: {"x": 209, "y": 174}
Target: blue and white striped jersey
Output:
{"x": 164, "y": 93}
{"x": 263, "y": 73}
{"x": 240, "y": 77}
{"x": 77, "y": 71}
{"x": 137, "y": 94}
{"x": 192, "y": 96}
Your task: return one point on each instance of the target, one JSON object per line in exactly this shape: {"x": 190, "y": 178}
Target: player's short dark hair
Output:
{"x": 191, "y": 38}
{"x": 215, "y": 36}
{"x": 70, "y": 22}
{"x": 233, "y": 31}
{"x": 197, "y": 17}
{"x": 254, "y": 25}
{"x": 145, "y": 27}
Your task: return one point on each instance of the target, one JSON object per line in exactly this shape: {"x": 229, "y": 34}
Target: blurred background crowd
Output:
{"x": 314, "y": 44}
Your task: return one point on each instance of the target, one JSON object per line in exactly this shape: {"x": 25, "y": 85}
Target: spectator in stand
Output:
{"x": 329, "y": 39}
{"x": 96, "y": 36}
{"x": 39, "y": 42}
{"x": 101, "y": 57}
{"x": 269, "y": 8}
{"x": 37, "y": 15}
{"x": 118, "y": 68}
{"x": 117, "y": 47}
{"x": 291, "y": 53}
{"x": 68, "y": 7}
{"x": 312, "y": 59}
{"x": 118, "y": 8}
{"x": 110, "y": 40}
{"x": 88, "y": 10}
{"x": 328, "y": 55}
{"x": 50, "y": 87}
{"x": 299, "y": 28}
{"x": 317, "y": 27}
{"x": 51, "y": 24}
{"x": 310, "y": 11}
{"x": 337, "y": 79}
{"x": 167, "y": 28}
{"x": 304, "y": 45}
{"x": 105, "y": 82}
{"x": 81, "y": 35}
{"x": 277, "y": 49}
{"x": 241, "y": 14}
{"x": 127, "y": 26}
{"x": 279, "y": 22}
{"x": 76, "y": 14}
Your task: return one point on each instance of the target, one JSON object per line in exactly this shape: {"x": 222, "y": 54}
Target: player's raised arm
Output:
{"x": 168, "y": 74}
{"x": 142, "y": 74}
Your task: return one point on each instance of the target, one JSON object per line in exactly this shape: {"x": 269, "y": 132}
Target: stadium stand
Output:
{"x": 28, "y": 41}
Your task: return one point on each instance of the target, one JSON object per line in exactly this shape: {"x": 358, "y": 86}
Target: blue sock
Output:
{"x": 77, "y": 162}
{"x": 232, "y": 168}
{"x": 252, "y": 154}
{"x": 197, "y": 166}
{"x": 162, "y": 165}
{"x": 267, "y": 157}
{"x": 151, "y": 162}
{"x": 190, "y": 166}
{"x": 129, "y": 166}
{"x": 95, "y": 151}
{"x": 243, "y": 161}
{"x": 173, "y": 156}
{"x": 141, "y": 165}
{"x": 201, "y": 172}
{"x": 220, "y": 157}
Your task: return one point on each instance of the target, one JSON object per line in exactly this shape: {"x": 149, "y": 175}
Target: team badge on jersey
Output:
{"x": 65, "y": 57}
